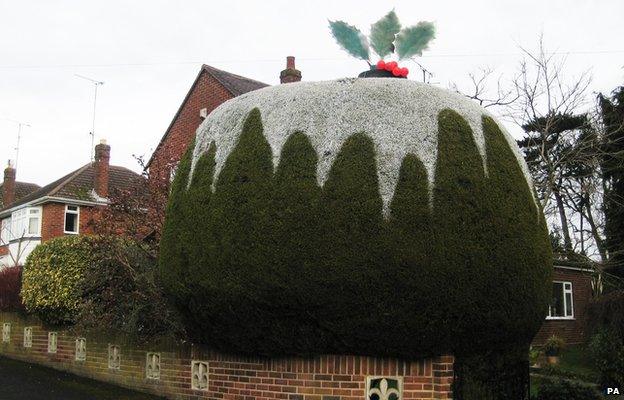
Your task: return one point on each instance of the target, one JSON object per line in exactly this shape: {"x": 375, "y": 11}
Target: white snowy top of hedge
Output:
{"x": 400, "y": 116}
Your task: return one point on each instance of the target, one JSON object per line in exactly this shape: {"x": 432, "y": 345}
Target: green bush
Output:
{"x": 52, "y": 277}
{"x": 271, "y": 263}
{"x": 607, "y": 311}
{"x": 119, "y": 294}
{"x": 561, "y": 389}
{"x": 607, "y": 349}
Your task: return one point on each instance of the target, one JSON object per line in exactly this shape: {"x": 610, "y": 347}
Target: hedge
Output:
{"x": 52, "y": 277}
{"x": 268, "y": 262}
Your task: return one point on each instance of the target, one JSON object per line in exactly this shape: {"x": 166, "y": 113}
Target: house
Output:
{"x": 210, "y": 89}
{"x": 67, "y": 206}
{"x": 567, "y": 313}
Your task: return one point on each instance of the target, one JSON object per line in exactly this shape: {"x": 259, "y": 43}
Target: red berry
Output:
{"x": 391, "y": 65}
{"x": 381, "y": 64}
{"x": 404, "y": 71}
{"x": 396, "y": 71}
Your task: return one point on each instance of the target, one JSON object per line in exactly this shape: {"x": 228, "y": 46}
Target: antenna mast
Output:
{"x": 92, "y": 133}
{"x": 19, "y": 136}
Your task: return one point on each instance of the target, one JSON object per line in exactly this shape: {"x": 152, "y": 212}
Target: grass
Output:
{"x": 575, "y": 364}
{"x": 576, "y": 360}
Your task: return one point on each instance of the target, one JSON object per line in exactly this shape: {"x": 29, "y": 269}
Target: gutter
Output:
{"x": 53, "y": 199}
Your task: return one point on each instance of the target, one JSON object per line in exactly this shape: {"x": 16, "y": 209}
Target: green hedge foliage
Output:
{"x": 271, "y": 263}
{"x": 52, "y": 277}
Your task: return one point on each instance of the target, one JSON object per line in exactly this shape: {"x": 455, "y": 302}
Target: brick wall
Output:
{"x": 572, "y": 331}
{"x": 53, "y": 222}
{"x": 206, "y": 93}
{"x": 229, "y": 377}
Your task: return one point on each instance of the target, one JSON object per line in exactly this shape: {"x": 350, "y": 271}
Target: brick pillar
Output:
{"x": 290, "y": 74}
{"x": 8, "y": 186}
{"x": 102, "y": 159}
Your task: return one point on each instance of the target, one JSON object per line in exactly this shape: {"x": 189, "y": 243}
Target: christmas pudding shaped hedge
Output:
{"x": 364, "y": 216}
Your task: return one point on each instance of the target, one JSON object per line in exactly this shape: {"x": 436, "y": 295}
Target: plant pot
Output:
{"x": 378, "y": 73}
{"x": 553, "y": 360}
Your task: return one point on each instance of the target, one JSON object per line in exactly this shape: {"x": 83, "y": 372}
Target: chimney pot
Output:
{"x": 290, "y": 74}
{"x": 8, "y": 185}
{"x": 102, "y": 160}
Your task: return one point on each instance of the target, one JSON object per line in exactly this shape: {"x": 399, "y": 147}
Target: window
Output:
{"x": 33, "y": 221}
{"x": 25, "y": 222}
{"x": 5, "y": 231}
{"x": 561, "y": 304}
{"x": 72, "y": 217}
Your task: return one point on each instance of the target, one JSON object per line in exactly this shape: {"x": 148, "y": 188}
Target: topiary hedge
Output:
{"x": 52, "y": 277}
{"x": 264, "y": 261}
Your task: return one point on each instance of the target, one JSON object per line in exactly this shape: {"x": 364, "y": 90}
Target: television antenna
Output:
{"x": 19, "y": 136}
{"x": 92, "y": 133}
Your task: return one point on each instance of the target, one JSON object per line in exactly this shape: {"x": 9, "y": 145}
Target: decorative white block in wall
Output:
{"x": 384, "y": 388}
{"x": 81, "y": 349}
{"x": 28, "y": 336}
{"x": 114, "y": 357}
{"x": 199, "y": 375}
{"x": 52, "y": 340}
{"x": 152, "y": 366}
{"x": 6, "y": 332}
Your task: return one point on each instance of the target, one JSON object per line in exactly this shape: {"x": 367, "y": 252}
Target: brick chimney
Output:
{"x": 290, "y": 74}
{"x": 102, "y": 158}
{"x": 8, "y": 186}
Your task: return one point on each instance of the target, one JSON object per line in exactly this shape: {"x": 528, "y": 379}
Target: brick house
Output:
{"x": 67, "y": 206}
{"x": 567, "y": 313}
{"x": 211, "y": 88}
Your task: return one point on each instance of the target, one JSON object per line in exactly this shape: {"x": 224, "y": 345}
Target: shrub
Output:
{"x": 561, "y": 389}
{"x": 553, "y": 346}
{"x": 607, "y": 311}
{"x": 52, "y": 277}
{"x": 10, "y": 286}
{"x": 268, "y": 262}
{"x": 119, "y": 294}
{"x": 607, "y": 349}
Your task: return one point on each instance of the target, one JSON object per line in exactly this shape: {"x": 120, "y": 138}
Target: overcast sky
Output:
{"x": 149, "y": 52}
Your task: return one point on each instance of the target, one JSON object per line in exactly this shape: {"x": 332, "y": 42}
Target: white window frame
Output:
{"x": 72, "y": 212}
{"x": 39, "y": 217}
{"x": 5, "y": 231}
{"x": 565, "y": 304}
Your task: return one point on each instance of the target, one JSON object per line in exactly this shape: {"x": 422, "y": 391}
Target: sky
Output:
{"x": 148, "y": 53}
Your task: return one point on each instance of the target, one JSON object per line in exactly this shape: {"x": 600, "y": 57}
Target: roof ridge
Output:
{"x": 210, "y": 67}
{"x": 72, "y": 177}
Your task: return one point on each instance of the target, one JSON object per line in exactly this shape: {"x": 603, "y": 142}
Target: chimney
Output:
{"x": 102, "y": 158}
{"x": 290, "y": 74}
{"x": 8, "y": 187}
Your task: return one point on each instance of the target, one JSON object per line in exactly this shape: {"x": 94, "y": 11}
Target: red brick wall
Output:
{"x": 231, "y": 377}
{"x": 207, "y": 93}
{"x": 572, "y": 331}
{"x": 53, "y": 222}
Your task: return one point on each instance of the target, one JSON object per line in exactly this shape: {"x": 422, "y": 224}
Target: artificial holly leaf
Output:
{"x": 350, "y": 38}
{"x": 413, "y": 40}
{"x": 383, "y": 33}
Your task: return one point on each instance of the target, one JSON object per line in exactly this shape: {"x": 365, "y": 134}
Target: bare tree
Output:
{"x": 547, "y": 109}
{"x": 481, "y": 92}
{"x": 20, "y": 243}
